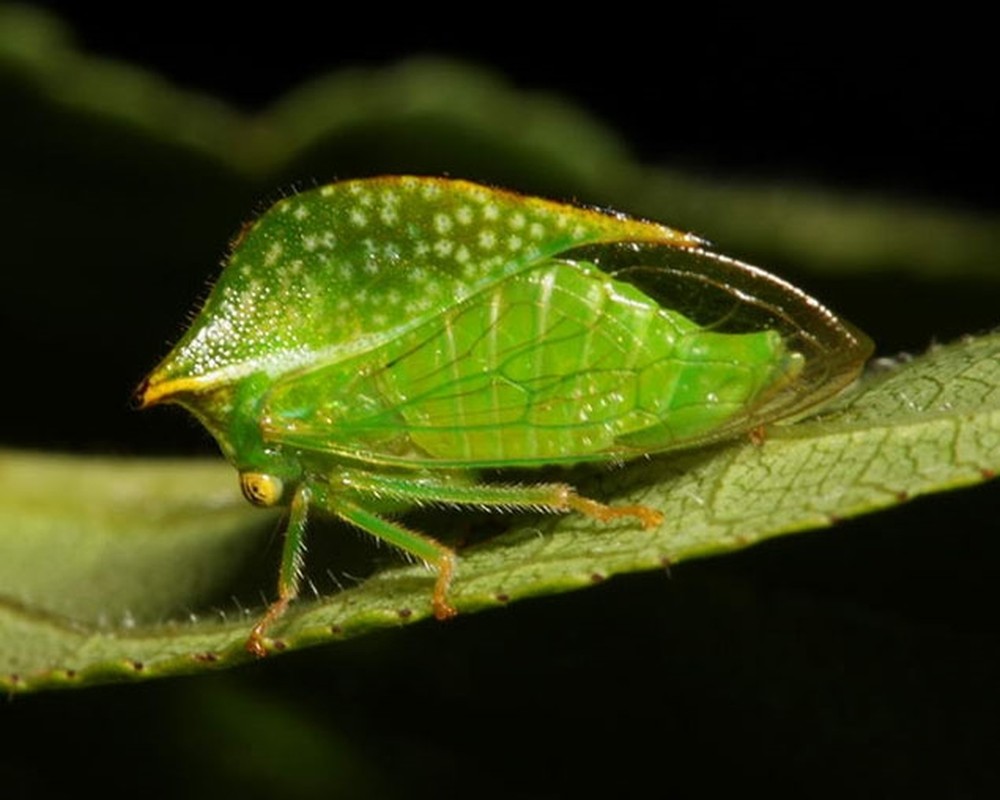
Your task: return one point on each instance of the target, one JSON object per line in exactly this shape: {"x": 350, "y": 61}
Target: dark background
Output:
{"x": 909, "y": 112}
{"x": 856, "y": 661}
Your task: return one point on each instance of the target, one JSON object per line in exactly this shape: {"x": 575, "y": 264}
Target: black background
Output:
{"x": 842, "y": 102}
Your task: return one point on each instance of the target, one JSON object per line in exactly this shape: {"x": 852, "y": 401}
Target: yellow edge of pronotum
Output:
{"x": 153, "y": 392}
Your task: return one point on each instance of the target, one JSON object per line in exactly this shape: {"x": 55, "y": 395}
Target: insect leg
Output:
{"x": 423, "y": 547}
{"x": 379, "y": 489}
{"x": 538, "y": 497}
{"x": 648, "y": 517}
{"x": 289, "y": 573}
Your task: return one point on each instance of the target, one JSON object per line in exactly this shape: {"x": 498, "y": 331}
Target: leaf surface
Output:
{"x": 138, "y": 540}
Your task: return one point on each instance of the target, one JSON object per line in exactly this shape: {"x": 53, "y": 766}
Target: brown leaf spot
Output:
{"x": 206, "y": 658}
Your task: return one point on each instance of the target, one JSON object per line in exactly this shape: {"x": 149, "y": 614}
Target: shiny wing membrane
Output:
{"x": 576, "y": 360}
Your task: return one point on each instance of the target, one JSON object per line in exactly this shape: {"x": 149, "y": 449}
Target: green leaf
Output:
{"x": 151, "y": 536}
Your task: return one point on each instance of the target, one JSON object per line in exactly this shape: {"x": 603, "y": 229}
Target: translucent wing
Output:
{"x": 567, "y": 363}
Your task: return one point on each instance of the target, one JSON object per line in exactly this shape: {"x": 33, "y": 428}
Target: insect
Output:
{"x": 372, "y": 345}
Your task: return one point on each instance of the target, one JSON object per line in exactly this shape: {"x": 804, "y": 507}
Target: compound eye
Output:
{"x": 261, "y": 489}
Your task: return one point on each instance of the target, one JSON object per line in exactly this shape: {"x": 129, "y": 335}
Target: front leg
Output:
{"x": 290, "y": 571}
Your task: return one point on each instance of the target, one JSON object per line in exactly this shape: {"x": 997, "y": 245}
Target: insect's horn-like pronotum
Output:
{"x": 315, "y": 272}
